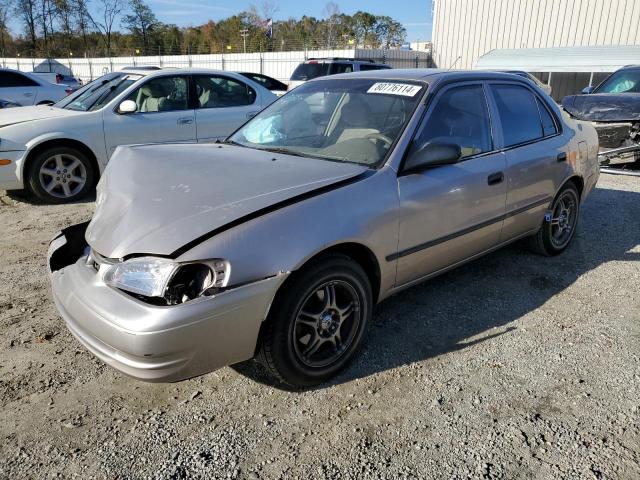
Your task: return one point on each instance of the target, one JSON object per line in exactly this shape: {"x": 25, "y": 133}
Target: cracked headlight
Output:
{"x": 172, "y": 281}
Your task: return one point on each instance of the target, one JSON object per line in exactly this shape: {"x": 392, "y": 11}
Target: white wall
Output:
{"x": 279, "y": 65}
{"x": 470, "y": 28}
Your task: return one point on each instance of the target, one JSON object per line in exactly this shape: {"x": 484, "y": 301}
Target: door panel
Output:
{"x": 452, "y": 212}
{"x": 222, "y": 105}
{"x": 17, "y": 88}
{"x": 535, "y": 155}
{"x": 163, "y": 115}
{"x": 448, "y": 214}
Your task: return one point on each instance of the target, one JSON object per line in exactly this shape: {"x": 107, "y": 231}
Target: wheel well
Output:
{"x": 61, "y": 142}
{"x": 360, "y": 254}
{"x": 578, "y": 182}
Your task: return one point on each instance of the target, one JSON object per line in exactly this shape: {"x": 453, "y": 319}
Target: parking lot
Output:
{"x": 514, "y": 366}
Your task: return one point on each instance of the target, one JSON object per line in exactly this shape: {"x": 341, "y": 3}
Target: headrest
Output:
{"x": 356, "y": 113}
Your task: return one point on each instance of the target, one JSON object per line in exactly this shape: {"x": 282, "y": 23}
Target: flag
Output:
{"x": 268, "y": 27}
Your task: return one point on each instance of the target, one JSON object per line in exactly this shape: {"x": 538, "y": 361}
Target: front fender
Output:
{"x": 364, "y": 212}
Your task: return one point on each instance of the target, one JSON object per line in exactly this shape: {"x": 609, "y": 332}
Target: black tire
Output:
{"x": 286, "y": 328}
{"x": 547, "y": 241}
{"x": 79, "y": 166}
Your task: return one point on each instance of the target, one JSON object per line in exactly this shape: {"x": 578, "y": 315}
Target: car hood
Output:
{"x": 11, "y": 116}
{"x": 604, "y": 107}
{"x": 155, "y": 199}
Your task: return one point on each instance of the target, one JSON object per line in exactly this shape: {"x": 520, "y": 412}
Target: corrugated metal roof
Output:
{"x": 560, "y": 59}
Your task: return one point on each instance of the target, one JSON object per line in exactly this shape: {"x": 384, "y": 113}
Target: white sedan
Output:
{"x": 25, "y": 88}
{"x": 57, "y": 153}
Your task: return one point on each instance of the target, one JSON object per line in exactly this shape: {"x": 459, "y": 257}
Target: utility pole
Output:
{"x": 244, "y": 33}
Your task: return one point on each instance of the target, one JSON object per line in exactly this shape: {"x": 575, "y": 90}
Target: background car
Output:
{"x": 8, "y": 104}
{"x": 546, "y": 88}
{"x": 321, "y": 67}
{"x": 29, "y": 89}
{"x": 276, "y": 86}
{"x": 281, "y": 241}
{"x": 58, "y": 152}
{"x": 613, "y": 108}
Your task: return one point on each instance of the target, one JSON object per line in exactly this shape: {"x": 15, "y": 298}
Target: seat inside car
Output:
{"x": 355, "y": 115}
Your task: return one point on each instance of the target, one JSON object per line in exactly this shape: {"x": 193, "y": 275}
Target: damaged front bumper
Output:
{"x": 619, "y": 141}
{"x": 148, "y": 342}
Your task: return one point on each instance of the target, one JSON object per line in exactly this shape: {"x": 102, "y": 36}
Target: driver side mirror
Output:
{"x": 432, "y": 155}
{"x": 588, "y": 90}
{"x": 128, "y": 106}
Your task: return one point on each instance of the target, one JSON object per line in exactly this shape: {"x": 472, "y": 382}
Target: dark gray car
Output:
{"x": 279, "y": 242}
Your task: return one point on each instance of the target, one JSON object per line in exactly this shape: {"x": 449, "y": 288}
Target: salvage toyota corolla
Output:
{"x": 278, "y": 243}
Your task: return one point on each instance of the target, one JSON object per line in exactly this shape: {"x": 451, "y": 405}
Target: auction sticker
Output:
{"x": 404, "y": 89}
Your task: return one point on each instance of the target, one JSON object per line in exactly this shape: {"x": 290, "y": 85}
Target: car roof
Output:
{"x": 630, "y": 67}
{"x": 177, "y": 71}
{"x": 429, "y": 75}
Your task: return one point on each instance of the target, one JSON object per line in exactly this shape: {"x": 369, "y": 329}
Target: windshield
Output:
{"x": 98, "y": 93}
{"x": 355, "y": 120}
{"x": 624, "y": 81}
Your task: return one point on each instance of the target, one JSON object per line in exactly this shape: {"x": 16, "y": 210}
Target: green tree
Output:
{"x": 140, "y": 22}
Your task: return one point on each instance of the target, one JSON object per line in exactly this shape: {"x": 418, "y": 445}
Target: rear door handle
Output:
{"x": 495, "y": 178}
{"x": 562, "y": 157}
{"x": 28, "y": 94}
{"x": 185, "y": 121}
{"x": 251, "y": 114}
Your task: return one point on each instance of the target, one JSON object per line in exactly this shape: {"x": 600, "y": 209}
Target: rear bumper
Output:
{"x": 11, "y": 175}
{"x": 160, "y": 344}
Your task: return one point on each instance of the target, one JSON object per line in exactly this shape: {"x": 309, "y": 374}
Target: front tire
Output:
{"x": 61, "y": 175}
{"x": 317, "y": 324}
{"x": 558, "y": 231}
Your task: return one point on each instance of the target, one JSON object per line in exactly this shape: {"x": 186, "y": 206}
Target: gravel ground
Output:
{"x": 514, "y": 366}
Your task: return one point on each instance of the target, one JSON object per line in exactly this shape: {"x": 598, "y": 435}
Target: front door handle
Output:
{"x": 495, "y": 178}
{"x": 562, "y": 157}
{"x": 28, "y": 94}
{"x": 185, "y": 121}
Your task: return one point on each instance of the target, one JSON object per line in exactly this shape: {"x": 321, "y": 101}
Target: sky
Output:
{"x": 415, "y": 15}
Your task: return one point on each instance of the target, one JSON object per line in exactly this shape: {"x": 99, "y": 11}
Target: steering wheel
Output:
{"x": 380, "y": 136}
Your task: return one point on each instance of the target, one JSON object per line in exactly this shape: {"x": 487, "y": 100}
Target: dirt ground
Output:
{"x": 515, "y": 366}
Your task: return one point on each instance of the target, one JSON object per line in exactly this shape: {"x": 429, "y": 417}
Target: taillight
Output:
{"x": 58, "y": 78}
{"x": 68, "y": 91}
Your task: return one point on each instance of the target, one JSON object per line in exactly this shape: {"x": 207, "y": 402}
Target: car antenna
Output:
{"x": 454, "y": 62}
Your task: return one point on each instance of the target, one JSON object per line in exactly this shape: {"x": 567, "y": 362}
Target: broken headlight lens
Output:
{"x": 160, "y": 277}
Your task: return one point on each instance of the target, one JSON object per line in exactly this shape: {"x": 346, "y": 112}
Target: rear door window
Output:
{"x": 12, "y": 79}
{"x": 309, "y": 71}
{"x": 340, "y": 68}
{"x": 216, "y": 91}
{"x": 548, "y": 124}
{"x": 460, "y": 117}
{"x": 519, "y": 114}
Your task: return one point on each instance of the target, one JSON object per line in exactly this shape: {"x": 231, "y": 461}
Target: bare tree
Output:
{"x": 5, "y": 6}
{"x": 109, "y": 11}
{"x": 83, "y": 19}
{"x": 27, "y": 12}
{"x": 332, "y": 13}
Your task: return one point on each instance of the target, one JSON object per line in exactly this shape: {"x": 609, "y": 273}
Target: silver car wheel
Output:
{"x": 327, "y": 323}
{"x": 63, "y": 175}
{"x": 564, "y": 218}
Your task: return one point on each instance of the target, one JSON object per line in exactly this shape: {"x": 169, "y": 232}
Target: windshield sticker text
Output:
{"x": 404, "y": 89}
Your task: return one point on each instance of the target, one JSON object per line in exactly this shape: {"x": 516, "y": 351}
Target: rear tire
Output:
{"x": 317, "y": 324}
{"x": 556, "y": 233}
{"x": 61, "y": 175}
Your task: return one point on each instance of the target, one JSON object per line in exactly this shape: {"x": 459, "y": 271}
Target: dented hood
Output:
{"x": 604, "y": 107}
{"x": 155, "y": 199}
{"x": 11, "y": 116}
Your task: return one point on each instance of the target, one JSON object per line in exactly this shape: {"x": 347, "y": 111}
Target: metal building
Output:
{"x": 464, "y": 30}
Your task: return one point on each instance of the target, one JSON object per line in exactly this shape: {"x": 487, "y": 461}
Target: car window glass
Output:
{"x": 518, "y": 114}
{"x": 548, "y": 125}
{"x": 309, "y": 71}
{"x": 341, "y": 68}
{"x": 625, "y": 81}
{"x": 162, "y": 94}
{"x": 460, "y": 116}
{"x": 366, "y": 67}
{"x": 12, "y": 79}
{"x": 215, "y": 91}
